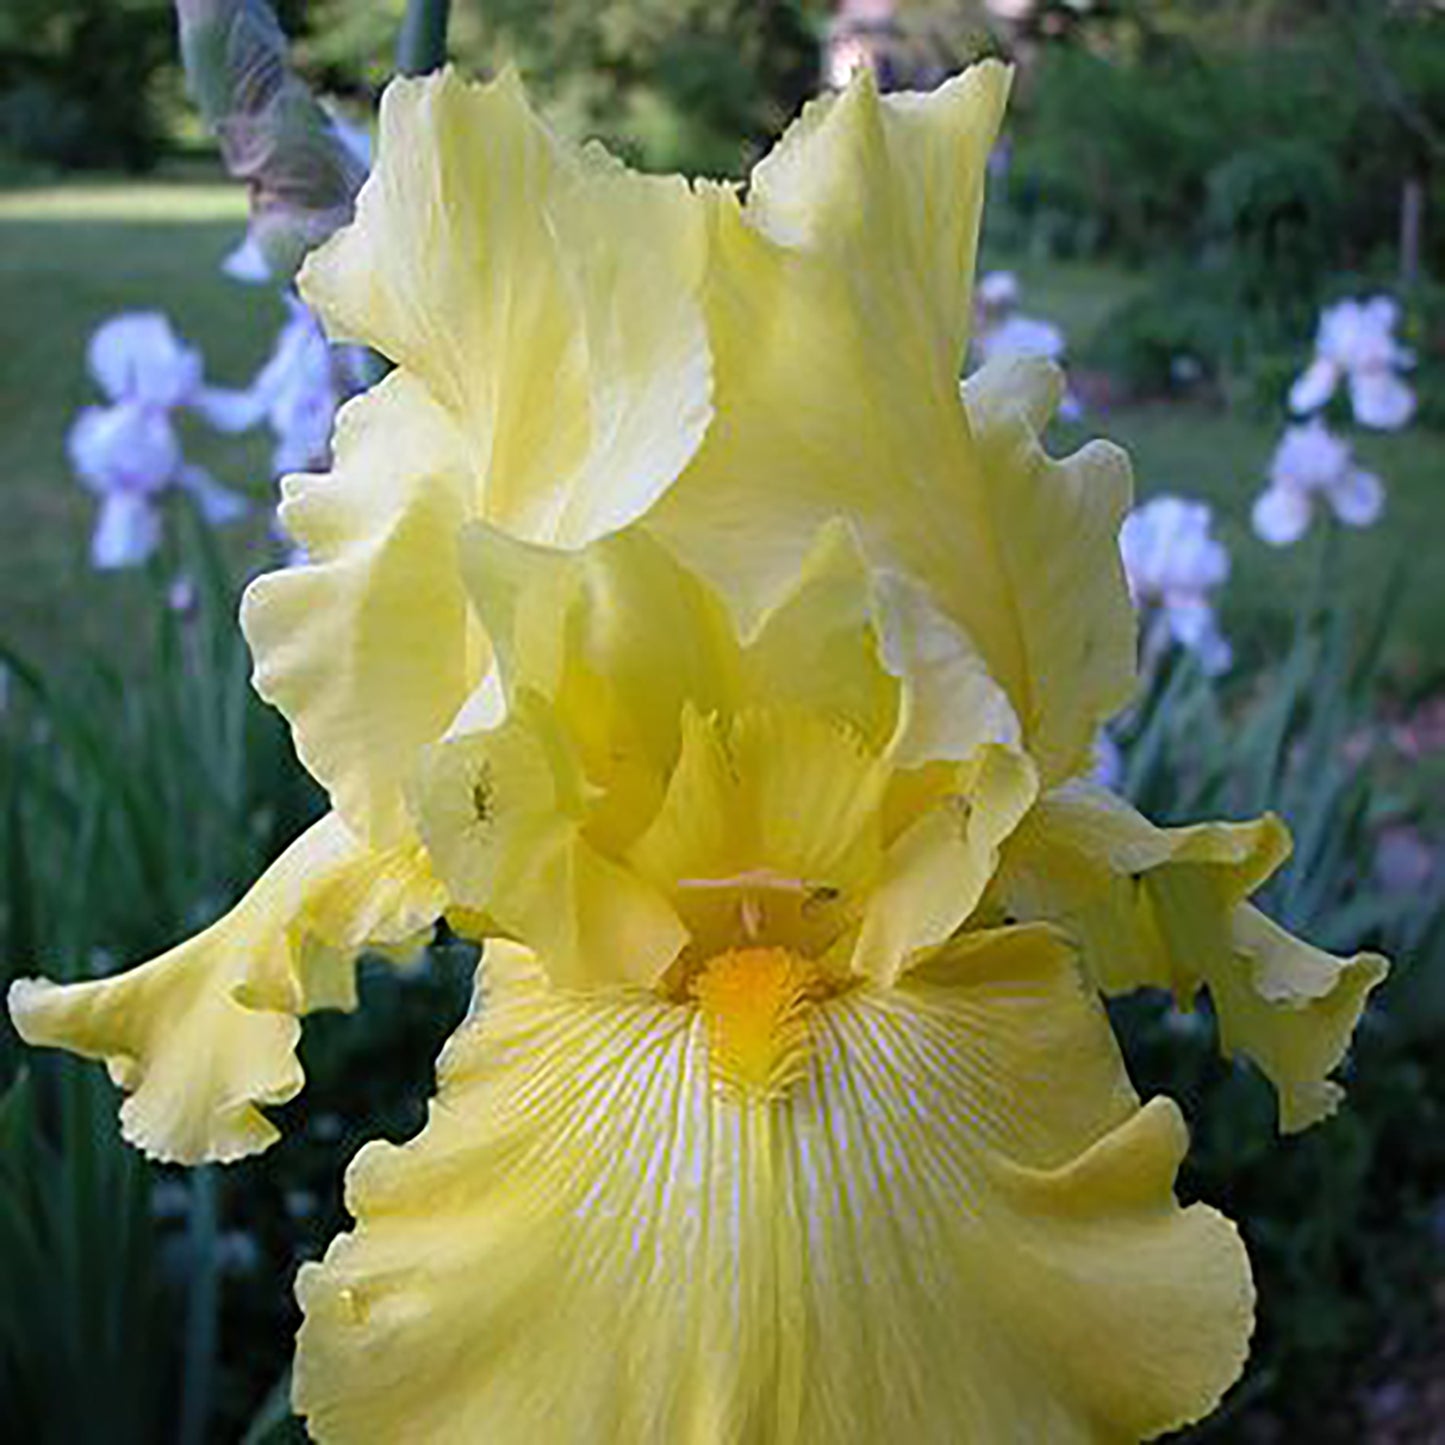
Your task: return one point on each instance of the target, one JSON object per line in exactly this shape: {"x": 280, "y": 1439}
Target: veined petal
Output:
{"x": 836, "y": 303}
{"x": 1292, "y": 1008}
{"x": 835, "y": 335}
{"x": 544, "y": 296}
{"x": 793, "y": 789}
{"x": 618, "y": 636}
{"x": 820, "y": 646}
{"x": 204, "y": 1035}
{"x": 502, "y": 814}
{"x": 1056, "y": 525}
{"x": 365, "y": 648}
{"x": 933, "y": 874}
{"x": 1164, "y": 908}
{"x": 956, "y": 1225}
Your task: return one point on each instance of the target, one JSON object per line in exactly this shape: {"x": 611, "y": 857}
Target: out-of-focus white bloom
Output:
{"x": 237, "y": 1252}
{"x": 170, "y": 1199}
{"x": 999, "y": 330}
{"x": 1174, "y": 564}
{"x": 1184, "y": 369}
{"x": 247, "y": 262}
{"x": 998, "y": 290}
{"x": 1312, "y": 463}
{"x": 300, "y": 1203}
{"x": 1356, "y": 344}
{"x": 181, "y": 596}
{"x": 1021, "y": 336}
{"x": 298, "y": 391}
{"x": 1108, "y": 770}
{"x": 127, "y": 452}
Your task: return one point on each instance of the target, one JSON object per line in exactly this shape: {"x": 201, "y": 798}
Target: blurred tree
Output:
{"x": 1278, "y": 137}
{"x": 671, "y": 83}
{"x": 81, "y": 80}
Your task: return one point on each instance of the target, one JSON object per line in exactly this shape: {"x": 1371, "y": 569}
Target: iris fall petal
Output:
{"x": 959, "y": 1224}
{"x": 1165, "y": 908}
{"x": 204, "y": 1036}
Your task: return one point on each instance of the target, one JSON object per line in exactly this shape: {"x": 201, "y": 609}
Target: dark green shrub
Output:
{"x": 1274, "y": 210}
{"x": 694, "y": 86}
{"x": 1149, "y": 134}
{"x": 81, "y": 80}
{"x": 1179, "y": 334}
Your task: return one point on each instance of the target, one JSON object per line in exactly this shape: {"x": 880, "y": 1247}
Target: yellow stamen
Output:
{"x": 755, "y": 1003}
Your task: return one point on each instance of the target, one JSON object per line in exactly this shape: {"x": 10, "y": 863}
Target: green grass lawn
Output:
{"x": 72, "y": 254}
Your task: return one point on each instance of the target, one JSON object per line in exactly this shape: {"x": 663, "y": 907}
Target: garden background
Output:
{"x": 1181, "y": 188}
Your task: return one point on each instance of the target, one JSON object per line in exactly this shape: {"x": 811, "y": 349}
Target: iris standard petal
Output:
{"x": 957, "y": 1224}
{"x": 545, "y": 296}
{"x": 951, "y": 705}
{"x": 205, "y": 1035}
{"x": 553, "y": 376}
{"x": 618, "y": 635}
{"x": 1055, "y": 525}
{"x": 837, "y": 309}
{"x": 1165, "y": 908}
{"x": 136, "y": 356}
{"x": 836, "y": 305}
{"x": 365, "y": 647}
{"x": 1314, "y": 386}
{"x": 502, "y": 814}
{"x": 821, "y": 646}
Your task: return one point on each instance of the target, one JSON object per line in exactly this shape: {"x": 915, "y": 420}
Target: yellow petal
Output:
{"x": 554, "y": 377}
{"x": 386, "y": 900}
{"x": 545, "y": 296}
{"x": 774, "y": 787}
{"x": 820, "y": 647}
{"x": 898, "y": 181}
{"x": 956, "y": 1225}
{"x": 618, "y": 636}
{"x": 935, "y": 872}
{"x": 837, "y": 308}
{"x": 1056, "y": 525}
{"x": 1164, "y": 908}
{"x": 502, "y": 814}
{"x": 1292, "y": 1008}
{"x": 365, "y": 647}
{"x": 204, "y": 1035}
{"x": 951, "y": 704}
{"x": 835, "y": 303}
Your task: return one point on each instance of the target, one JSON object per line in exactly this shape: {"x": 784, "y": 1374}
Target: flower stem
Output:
{"x": 202, "y": 1305}
{"x": 422, "y": 45}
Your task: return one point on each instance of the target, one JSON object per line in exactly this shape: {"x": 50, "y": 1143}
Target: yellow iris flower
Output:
{"x": 675, "y": 624}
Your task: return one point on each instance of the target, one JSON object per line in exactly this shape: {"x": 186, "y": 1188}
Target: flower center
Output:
{"x": 755, "y": 1002}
